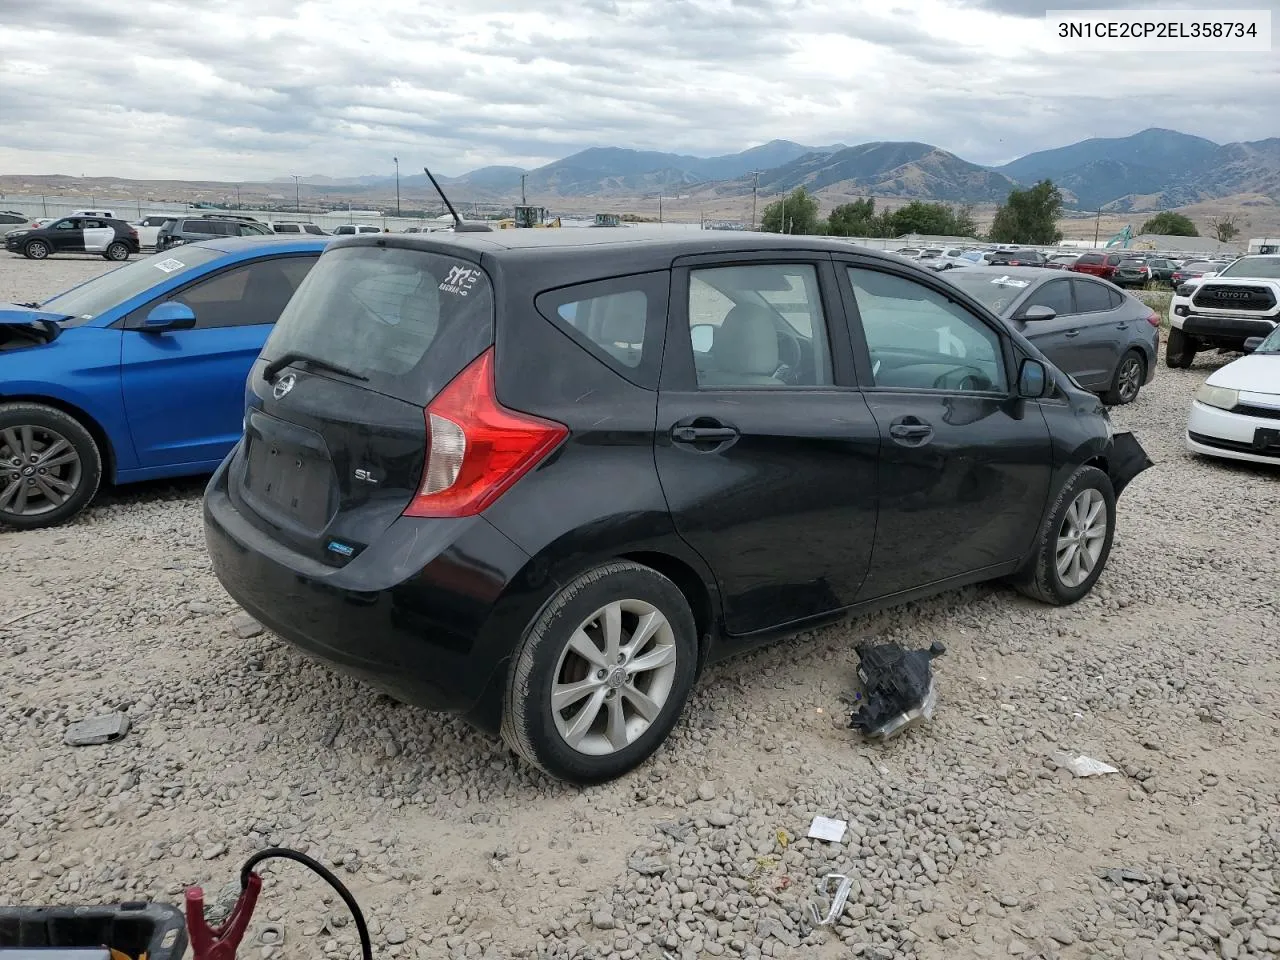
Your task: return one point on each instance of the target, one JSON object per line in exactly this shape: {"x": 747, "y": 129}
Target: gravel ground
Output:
{"x": 965, "y": 838}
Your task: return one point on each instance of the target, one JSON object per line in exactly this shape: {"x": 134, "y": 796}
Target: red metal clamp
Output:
{"x": 220, "y": 943}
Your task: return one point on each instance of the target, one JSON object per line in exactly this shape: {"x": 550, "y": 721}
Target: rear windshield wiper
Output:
{"x": 293, "y": 356}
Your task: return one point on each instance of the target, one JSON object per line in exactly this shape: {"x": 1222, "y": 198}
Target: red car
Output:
{"x": 1099, "y": 264}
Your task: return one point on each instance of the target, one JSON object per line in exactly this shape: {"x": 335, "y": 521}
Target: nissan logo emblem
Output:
{"x": 283, "y": 386}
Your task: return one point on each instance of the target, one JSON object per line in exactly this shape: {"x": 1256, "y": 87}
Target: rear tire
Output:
{"x": 50, "y": 466}
{"x": 1084, "y": 518}
{"x": 577, "y": 705}
{"x": 1127, "y": 381}
{"x": 117, "y": 251}
{"x": 1179, "y": 350}
{"x": 36, "y": 250}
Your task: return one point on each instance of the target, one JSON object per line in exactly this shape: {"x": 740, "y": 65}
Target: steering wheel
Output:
{"x": 790, "y": 357}
{"x": 971, "y": 379}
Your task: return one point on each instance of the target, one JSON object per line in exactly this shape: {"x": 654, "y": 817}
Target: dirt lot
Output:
{"x": 964, "y": 840}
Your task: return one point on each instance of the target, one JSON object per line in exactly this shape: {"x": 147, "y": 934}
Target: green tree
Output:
{"x": 1170, "y": 224}
{"x": 932, "y": 219}
{"x": 1029, "y": 216}
{"x": 799, "y": 209}
{"x": 856, "y": 219}
{"x": 1224, "y": 228}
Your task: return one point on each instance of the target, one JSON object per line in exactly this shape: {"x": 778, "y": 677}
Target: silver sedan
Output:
{"x": 1106, "y": 339}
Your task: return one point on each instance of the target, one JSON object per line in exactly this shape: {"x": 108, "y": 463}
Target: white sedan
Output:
{"x": 1236, "y": 412}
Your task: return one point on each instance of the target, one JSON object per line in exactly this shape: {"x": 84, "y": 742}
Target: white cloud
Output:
{"x": 242, "y": 89}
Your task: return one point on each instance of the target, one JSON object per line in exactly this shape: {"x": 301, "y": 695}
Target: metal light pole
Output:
{"x": 397, "y": 163}
{"x": 755, "y": 186}
{"x": 238, "y": 196}
{"x": 660, "y": 208}
{"x": 1097, "y": 223}
{"x": 297, "y": 194}
{"x": 523, "y": 201}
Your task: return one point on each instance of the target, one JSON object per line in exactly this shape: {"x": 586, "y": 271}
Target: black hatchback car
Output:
{"x": 542, "y": 478}
{"x": 113, "y": 239}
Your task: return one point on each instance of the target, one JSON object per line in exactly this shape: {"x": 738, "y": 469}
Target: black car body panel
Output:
{"x": 76, "y": 234}
{"x": 794, "y": 509}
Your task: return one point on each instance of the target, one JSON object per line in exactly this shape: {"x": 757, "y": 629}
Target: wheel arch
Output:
{"x": 690, "y": 583}
{"x": 96, "y": 430}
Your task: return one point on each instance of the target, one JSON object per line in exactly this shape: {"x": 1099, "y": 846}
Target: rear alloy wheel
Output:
{"x": 1074, "y": 542}
{"x": 50, "y": 466}
{"x": 1128, "y": 379}
{"x": 117, "y": 251}
{"x": 36, "y": 250}
{"x": 602, "y": 674}
{"x": 1179, "y": 351}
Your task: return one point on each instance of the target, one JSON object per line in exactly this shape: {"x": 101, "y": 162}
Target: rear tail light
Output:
{"x": 1153, "y": 318}
{"x": 477, "y": 448}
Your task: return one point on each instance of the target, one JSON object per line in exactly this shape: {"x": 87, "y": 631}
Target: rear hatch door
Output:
{"x": 335, "y": 423}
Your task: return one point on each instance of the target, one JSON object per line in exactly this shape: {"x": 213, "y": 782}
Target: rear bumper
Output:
{"x": 430, "y": 612}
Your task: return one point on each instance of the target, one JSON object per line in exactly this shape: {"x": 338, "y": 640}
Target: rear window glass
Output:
{"x": 407, "y": 320}
{"x": 1090, "y": 258}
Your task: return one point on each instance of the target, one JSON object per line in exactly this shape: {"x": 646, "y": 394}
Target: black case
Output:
{"x": 157, "y": 929}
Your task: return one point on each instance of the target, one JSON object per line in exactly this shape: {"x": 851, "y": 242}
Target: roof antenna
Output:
{"x": 459, "y": 225}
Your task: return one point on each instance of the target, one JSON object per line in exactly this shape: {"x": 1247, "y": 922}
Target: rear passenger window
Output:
{"x": 620, "y": 321}
{"x": 758, "y": 325}
{"x": 1091, "y": 297}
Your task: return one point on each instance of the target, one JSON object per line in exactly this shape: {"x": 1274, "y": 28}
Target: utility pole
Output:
{"x": 523, "y": 202}
{"x": 237, "y": 196}
{"x": 297, "y": 194}
{"x": 1097, "y": 223}
{"x": 659, "y": 208}
{"x": 784, "y": 213}
{"x": 755, "y": 186}
{"x": 396, "y": 161}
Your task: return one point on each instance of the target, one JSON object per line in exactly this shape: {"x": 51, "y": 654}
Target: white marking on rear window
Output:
{"x": 459, "y": 281}
{"x": 1010, "y": 282}
{"x": 170, "y": 265}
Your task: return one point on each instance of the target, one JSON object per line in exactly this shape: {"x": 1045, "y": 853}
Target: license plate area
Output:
{"x": 288, "y": 473}
{"x": 1265, "y": 438}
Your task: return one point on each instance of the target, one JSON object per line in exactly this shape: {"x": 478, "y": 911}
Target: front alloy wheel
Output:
{"x": 1074, "y": 542}
{"x": 50, "y": 466}
{"x": 602, "y": 674}
{"x": 1081, "y": 538}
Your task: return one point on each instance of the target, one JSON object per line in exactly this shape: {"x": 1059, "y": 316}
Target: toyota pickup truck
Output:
{"x": 1223, "y": 310}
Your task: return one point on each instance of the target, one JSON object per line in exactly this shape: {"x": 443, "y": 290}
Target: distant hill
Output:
{"x": 914, "y": 170}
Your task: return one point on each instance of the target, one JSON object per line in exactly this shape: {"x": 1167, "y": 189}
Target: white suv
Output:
{"x": 1225, "y": 309}
{"x": 351, "y": 229}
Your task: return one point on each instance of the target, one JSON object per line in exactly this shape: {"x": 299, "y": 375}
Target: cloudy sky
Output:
{"x": 247, "y": 89}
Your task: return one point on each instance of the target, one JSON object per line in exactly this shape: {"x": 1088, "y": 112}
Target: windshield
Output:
{"x": 995, "y": 290}
{"x": 1262, "y": 268}
{"x": 1271, "y": 344}
{"x": 81, "y": 304}
{"x": 404, "y": 320}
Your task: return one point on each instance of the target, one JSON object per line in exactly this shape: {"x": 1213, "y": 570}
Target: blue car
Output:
{"x": 137, "y": 374}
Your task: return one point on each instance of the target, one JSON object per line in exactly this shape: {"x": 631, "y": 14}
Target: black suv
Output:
{"x": 543, "y": 478}
{"x": 113, "y": 239}
{"x": 194, "y": 229}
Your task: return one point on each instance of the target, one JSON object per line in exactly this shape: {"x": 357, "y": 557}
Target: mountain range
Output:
{"x": 1155, "y": 168}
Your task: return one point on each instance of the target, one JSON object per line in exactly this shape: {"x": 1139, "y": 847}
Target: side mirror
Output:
{"x": 702, "y": 335}
{"x": 1033, "y": 380}
{"x": 1252, "y": 344}
{"x": 170, "y": 315}
{"x": 1039, "y": 312}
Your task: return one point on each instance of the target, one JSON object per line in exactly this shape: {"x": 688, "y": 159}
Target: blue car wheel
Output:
{"x": 50, "y": 466}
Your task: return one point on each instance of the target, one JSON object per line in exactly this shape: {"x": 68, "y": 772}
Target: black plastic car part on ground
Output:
{"x": 113, "y": 239}
{"x": 542, "y": 478}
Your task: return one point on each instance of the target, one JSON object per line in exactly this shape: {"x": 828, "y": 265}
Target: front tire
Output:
{"x": 602, "y": 674}
{"x": 36, "y": 250}
{"x": 50, "y": 466}
{"x": 1179, "y": 350}
{"x": 1126, "y": 382}
{"x": 1074, "y": 542}
{"x": 117, "y": 251}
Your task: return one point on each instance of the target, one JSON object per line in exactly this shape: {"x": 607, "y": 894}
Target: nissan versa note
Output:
{"x": 542, "y": 478}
